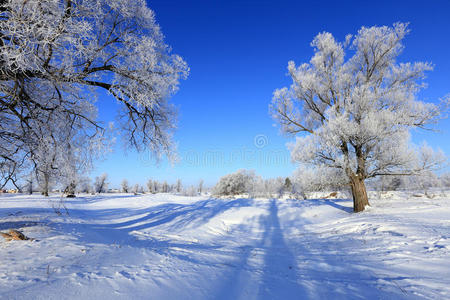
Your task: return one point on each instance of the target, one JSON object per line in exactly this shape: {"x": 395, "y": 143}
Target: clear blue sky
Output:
{"x": 238, "y": 53}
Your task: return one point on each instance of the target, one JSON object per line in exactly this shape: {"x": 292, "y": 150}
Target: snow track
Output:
{"x": 172, "y": 247}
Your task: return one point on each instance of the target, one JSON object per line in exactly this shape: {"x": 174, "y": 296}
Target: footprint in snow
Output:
{"x": 126, "y": 275}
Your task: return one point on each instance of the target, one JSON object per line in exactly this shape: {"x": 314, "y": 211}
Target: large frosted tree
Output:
{"x": 54, "y": 55}
{"x": 353, "y": 113}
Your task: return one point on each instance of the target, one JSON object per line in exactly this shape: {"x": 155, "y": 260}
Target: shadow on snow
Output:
{"x": 273, "y": 265}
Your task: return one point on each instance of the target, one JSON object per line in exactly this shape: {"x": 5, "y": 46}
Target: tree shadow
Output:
{"x": 302, "y": 267}
{"x": 279, "y": 279}
{"x": 306, "y": 266}
{"x": 335, "y": 204}
{"x": 265, "y": 269}
{"x": 17, "y": 224}
{"x": 174, "y": 216}
{"x": 182, "y": 215}
{"x": 239, "y": 283}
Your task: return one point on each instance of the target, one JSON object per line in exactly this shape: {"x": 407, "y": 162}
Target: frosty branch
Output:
{"x": 56, "y": 53}
{"x": 354, "y": 113}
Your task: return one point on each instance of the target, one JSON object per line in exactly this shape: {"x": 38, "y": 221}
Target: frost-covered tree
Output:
{"x": 422, "y": 182}
{"x": 54, "y": 54}
{"x": 165, "y": 187}
{"x": 273, "y": 187}
{"x": 240, "y": 182}
{"x": 262, "y": 188}
{"x": 61, "y": 153}
{"x": 317, "y": 178}
{"x": 388, "y": 183}
{"x": 156, "y": 186}
{"x": 125, "y": 186}
{"x": 29, "y": 183}
{"x": 136, "y": 189}
{"x": 84, "y": 185}
{"x": 445, "y": 180}
{"x": 287, "y": 187}
{"x": 150, "y": 186}
{"x": 190, "y": 192}
{"x": 45, "y": 157}
{"x": 200, "y": 186}
{"x": 354, "y": 113}
{"x": 178, "y": 186}
{"x": 101, "y": 184}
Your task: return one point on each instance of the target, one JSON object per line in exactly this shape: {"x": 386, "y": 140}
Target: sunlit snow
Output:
{"x": 172, "y": 247}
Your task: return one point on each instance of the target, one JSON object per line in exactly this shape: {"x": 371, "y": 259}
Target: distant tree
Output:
{"x": 318, "y": 178}
{"x": 287, "y": 185}
{"x": 136, "y": 189}
{"x": 150, "y": 186}
{"x": 125, "y": 187}
{"x": 274, "y": 187}
{"x": 77, "y": 156}
{"x": 423, "y": 182}
{"x": 200, "y": 187}
{"x": 156, "y": 186}
{"x": 101, "y": 185}
{"x": 240, "y": 182}
{"x": 445, "y": 180}
{"x": 388, "y": 183}
{"x": 84, "y": 185}
{"x": 264, "y": 188}
{"x": 165, "y": 187}
{"x": 45, "y": 158}
{"x": 178, "y": 186}
{"x": 355, "y": 114}
{"x": 70, "y": 188}
{"x": 190, "y": 192}
{"x": 29, "y": 182}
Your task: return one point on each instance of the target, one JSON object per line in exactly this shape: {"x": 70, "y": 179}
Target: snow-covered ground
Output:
{"x": 173, "y": 247}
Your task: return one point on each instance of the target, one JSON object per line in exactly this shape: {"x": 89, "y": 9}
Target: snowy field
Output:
{"x": 162, "y": 246}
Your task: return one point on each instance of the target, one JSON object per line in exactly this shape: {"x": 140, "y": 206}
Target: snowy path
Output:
{"x": 171, "y": 247}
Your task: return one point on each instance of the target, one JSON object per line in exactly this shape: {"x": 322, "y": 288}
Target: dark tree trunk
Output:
{"x": 46, "y": 184}
{"x": 359, "y": 192}
{"x": 30, "y": 187}
{"x": 70, "y": 189}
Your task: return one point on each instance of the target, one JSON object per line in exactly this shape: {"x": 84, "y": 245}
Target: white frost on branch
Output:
{"x": 354, "y": 113}
{"x": 54, "y": 55}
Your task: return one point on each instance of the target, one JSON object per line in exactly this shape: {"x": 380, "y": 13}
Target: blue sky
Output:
{"x": 238, "y": 53}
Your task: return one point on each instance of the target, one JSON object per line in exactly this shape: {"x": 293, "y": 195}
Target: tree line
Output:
{"x": 304, "y": 184}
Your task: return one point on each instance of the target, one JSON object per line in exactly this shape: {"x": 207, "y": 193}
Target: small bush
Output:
{"x": 238, "y": 183}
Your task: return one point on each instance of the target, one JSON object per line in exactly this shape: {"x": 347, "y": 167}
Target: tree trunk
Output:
{"x": 46, "y": 184}
{"x": 360, "y": 199}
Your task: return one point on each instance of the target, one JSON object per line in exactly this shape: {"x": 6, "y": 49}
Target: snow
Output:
{"x": 172, "y": 247}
